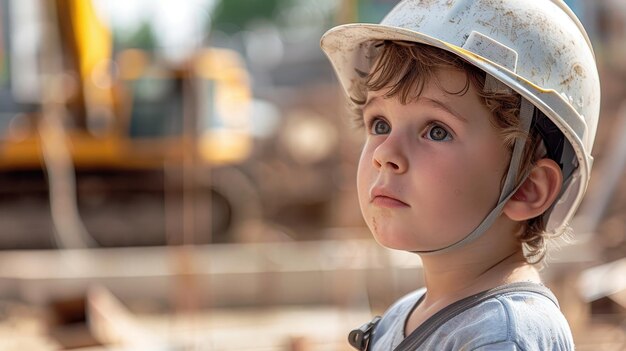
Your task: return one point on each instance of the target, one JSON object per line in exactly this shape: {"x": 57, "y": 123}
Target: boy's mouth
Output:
{"x": 383, "y": 198}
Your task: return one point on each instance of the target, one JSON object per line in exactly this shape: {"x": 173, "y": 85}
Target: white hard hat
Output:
{"x": 538, "y": 48}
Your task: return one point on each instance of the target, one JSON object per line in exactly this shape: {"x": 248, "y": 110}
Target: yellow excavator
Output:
{"x": 121, "y": 145}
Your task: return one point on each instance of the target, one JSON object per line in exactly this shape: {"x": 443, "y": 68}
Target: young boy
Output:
{"x": 480, "y": 117}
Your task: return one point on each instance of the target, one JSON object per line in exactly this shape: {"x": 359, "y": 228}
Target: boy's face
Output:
{"x": 430, "y": 170}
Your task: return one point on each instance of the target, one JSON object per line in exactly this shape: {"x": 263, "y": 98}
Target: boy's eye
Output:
{"x": 438, "y": 133}
{"x": 380, "y": 126}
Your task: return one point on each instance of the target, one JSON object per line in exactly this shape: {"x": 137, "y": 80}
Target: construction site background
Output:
{"x": 181, "y": 176}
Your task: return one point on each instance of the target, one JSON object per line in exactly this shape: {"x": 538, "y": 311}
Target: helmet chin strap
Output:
{"x": 509, "y": 188}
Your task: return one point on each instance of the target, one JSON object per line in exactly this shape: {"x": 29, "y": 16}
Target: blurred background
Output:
{"x": 180, "y": 175}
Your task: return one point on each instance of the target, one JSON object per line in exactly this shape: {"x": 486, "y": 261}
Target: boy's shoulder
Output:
{"x": 520, "y": 320}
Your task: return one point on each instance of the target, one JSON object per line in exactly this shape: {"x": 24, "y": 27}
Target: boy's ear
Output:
{"x": 537, "y": 193}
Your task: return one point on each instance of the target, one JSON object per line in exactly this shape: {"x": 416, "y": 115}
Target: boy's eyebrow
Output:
{"x": 444, "y": 107}
{"x": 435, "y": 102}
{"x": 369, "y": 102}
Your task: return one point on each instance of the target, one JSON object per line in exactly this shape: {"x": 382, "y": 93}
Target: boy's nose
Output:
{"x": 387, "y": 155}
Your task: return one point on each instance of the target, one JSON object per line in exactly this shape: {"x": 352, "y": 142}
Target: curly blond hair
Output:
{"x": 406, "y": 67}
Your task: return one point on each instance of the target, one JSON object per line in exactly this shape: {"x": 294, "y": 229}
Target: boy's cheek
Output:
{"x": 365, "y": 168}
{"x": 362, "y": 186}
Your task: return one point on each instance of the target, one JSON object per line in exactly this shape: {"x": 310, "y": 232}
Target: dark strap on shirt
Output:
{"x": 360, "y": 338}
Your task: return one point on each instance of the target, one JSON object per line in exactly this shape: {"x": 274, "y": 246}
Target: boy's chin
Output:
{"x": 405, "y": 243}
{"x": 396, "y": 242}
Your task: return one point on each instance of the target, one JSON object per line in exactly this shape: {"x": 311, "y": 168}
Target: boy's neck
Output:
{"x": 494, "y": 259}
{"x": 449, "y": 279}
{"x": 452, "y": 278}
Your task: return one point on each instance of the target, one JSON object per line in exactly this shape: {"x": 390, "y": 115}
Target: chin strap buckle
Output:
{"x": 360, "y": 338}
